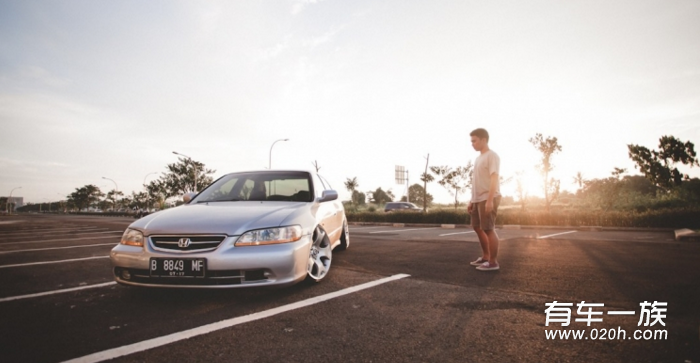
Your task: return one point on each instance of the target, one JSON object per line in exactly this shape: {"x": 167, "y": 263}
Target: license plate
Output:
{"x": 178, "y": 267}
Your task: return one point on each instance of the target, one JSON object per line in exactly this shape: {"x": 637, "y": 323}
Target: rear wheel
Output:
{"x": 320, "y": 256}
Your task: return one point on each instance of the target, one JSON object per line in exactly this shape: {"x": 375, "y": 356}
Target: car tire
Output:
{"x": 320, "y": 256}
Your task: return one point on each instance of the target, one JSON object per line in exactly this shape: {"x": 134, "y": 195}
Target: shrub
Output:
{"x": 658, "y": 218}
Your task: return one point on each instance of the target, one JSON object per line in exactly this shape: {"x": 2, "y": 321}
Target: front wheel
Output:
{"x": 344, "y": 238}
{"x": 320, "y": 256}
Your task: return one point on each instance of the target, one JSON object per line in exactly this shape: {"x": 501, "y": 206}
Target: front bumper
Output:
{"x": 226, "y": 267}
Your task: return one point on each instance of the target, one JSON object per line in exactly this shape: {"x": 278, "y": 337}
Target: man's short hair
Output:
{"x": 480, "y": 133}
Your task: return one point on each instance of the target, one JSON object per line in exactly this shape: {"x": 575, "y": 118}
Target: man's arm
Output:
{"x": 492, "y": 191}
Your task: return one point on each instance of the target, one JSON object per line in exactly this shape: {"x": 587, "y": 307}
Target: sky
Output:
{"x": 93, "y": 89}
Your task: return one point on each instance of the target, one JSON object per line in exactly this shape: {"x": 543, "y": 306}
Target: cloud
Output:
{"x": 276, "y": 50}
{"x": 323, "y": 39}
{"x": 38, "y": 74}
{"x": 299, "y": 5}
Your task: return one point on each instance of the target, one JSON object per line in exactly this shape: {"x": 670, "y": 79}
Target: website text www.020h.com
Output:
{"x": 606, "y": 334}
{"x": 650, "y": 315}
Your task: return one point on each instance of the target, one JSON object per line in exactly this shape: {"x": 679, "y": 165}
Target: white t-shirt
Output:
{"x": 485, "y": 165}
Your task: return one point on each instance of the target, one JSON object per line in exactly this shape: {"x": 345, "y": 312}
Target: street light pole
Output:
{"x": 144, "y": 178}
{"x": 269, "y": 166}
{"x": 194, "y": 167}
{"x": 7, "y": 205}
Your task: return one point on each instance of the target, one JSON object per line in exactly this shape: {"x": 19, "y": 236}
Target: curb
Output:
{"x": 516, "y": 226}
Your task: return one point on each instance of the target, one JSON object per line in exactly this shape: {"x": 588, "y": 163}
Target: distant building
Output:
{"x": 16, "y": 201}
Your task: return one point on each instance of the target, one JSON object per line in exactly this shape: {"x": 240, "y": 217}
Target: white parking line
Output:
{"x": 11, "y": 298}
{"x": 55, "y": 240}
{"x": 205, "y": 329}
{"x": 556, "y": 234}
{"x": 50, "y": 262}
{"x": 75, "y": 234}
{"x": 58, "y": 248}
{"x": 44, "y": 231}
{"x": 450, "y": 234}
{"x": 404, "y": 230}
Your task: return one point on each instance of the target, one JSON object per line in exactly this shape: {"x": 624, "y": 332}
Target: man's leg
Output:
{"x": 492, "y": 246}
{"x": 484, "y": 242}
{"x": 483, "y": 238}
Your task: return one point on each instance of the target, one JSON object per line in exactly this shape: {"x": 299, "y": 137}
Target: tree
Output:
{"x": 180, "y": 177}
{"x": 578, "y": 179}
{"x": 548, "y": 147}
{"x": 520, "y": 189}
{"x": 358, "y": 198}
{"x": 456, "y": 181}
{"x": 416, "y": 194}
{"x": 157, "y": 192}
{"x": 86, "y": 196}
{"x": 113, "y": 196}
{"x": 351, "y": 185}
{"x": 425, "y": 178}
{"x": 605, "y": 193}
{"x": 660, "y": 166}
{"x": 379, "y": 196}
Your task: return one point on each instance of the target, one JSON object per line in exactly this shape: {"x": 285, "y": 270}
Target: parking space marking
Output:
{"x": 205, "y": 329}
{"x": 451, "y": 234}
{"x": 58, "y": 248}
{"x": 404, "y": 230}
{"x": 556, "y": 234}
{"x": 64, "y": 230}
{"x": 51, "y": 262}
{"x": 75, "y": 234}
{"x": 55, "y": 240}
{"x": 20, "y": 297}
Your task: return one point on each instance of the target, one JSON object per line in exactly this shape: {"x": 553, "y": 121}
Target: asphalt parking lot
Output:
{"x": 396, "y": 295}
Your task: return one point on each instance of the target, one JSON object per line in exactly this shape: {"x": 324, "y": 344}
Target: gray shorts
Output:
{"x": 480, "y": 219}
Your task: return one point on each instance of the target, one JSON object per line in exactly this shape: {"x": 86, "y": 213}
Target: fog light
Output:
{"x": 126, "y": 275}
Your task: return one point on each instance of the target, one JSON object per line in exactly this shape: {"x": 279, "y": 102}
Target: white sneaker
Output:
{"x": 478, "y": 262}
{"x": 486, "y": 266}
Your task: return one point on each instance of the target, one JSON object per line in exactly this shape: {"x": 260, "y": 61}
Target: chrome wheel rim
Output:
{"x": 320, "y": 255}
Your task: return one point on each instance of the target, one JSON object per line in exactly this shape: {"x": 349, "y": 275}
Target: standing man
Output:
{"x": 486, "y": 196}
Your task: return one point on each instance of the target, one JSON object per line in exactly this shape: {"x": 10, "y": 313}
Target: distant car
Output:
{"x": 401, "y": 207}
{"x": 257, "y": 228}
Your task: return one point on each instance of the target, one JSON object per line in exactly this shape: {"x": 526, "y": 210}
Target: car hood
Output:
{"x": 230, "y": 218}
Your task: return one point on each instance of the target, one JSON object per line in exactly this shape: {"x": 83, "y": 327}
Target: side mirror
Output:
{"x": 328, "y": 195}
{"x": 187, "y": 197}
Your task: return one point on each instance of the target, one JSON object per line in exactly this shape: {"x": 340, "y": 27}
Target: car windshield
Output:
{"x": 259, "y": 186}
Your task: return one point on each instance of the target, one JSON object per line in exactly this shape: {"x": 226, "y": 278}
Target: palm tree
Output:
{"x": 351, "y": 185}
{"x": 578, "y": 179}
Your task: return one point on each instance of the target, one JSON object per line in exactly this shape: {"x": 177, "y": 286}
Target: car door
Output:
{"x": 332, "y": 212}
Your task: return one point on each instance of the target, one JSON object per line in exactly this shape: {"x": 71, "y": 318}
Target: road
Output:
{"x": 424, "y": 303}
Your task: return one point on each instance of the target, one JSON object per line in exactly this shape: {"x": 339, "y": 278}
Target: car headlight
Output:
{"x": 132, "y": 237}
{"x": 269, "y": 236}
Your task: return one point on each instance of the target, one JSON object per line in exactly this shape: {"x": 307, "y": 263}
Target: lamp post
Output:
{"x": 144, "y": 178}
{"x": 269, "y": 166}
{"x": 7, "y": 205}
{"x": 116, "y": 191}
{"x": 194, "y": 167}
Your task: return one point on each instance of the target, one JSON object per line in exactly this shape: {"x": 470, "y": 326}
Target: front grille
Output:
{"x": 196, "y": 243}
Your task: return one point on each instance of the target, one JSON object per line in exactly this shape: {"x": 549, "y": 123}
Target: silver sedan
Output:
{"x": 246, "y": 229}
